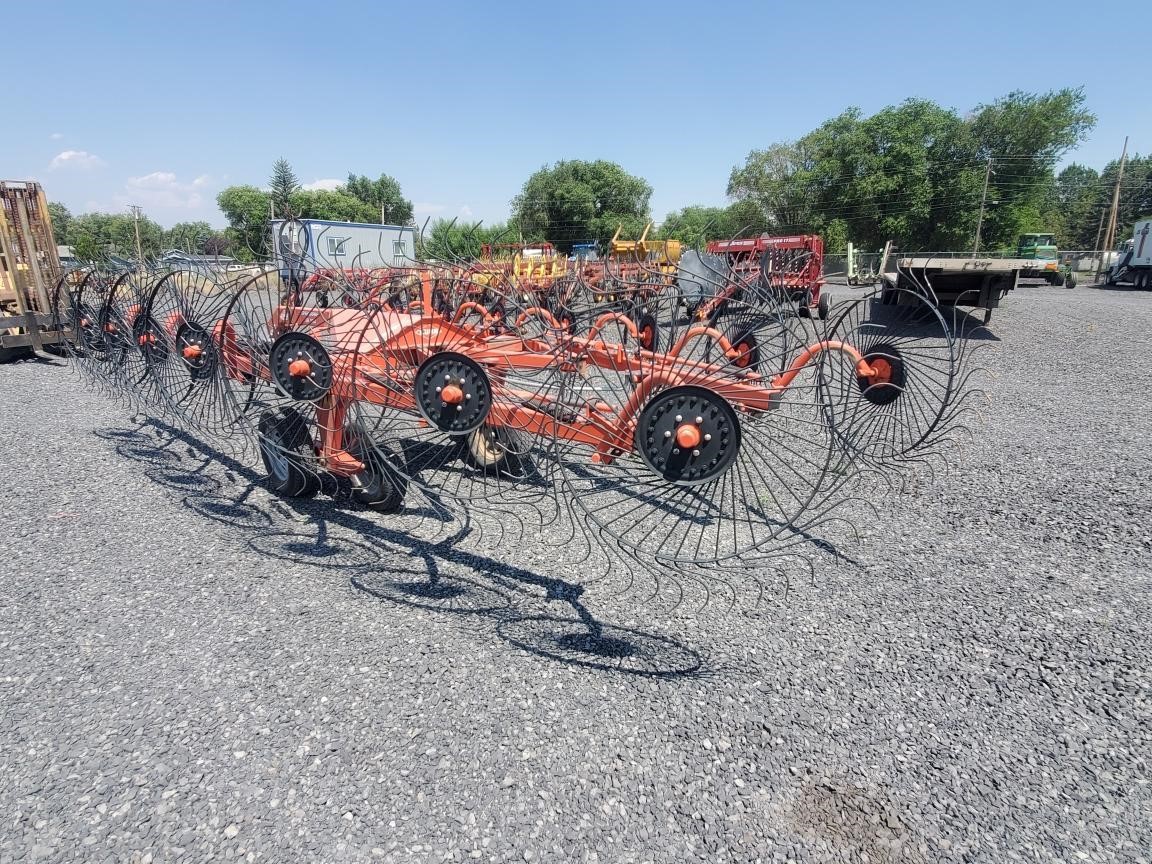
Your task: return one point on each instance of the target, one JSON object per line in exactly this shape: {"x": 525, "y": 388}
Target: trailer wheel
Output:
{"x": 987, "y": 315}
{"x": 493, "y": 450}
{"x": 380, "y": 489}
{"x": 286, "y": 448}
{"x": 822, "y": 306}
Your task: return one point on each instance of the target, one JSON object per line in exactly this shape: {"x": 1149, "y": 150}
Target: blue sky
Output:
{"x": 165, "y": 104}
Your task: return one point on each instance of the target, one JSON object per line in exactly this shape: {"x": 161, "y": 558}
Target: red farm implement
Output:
{"x": 791, "y": 266}
{"x": 461, "y": 386}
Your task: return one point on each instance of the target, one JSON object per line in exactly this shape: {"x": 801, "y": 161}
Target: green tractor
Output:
{"x": 1041, "y": 249}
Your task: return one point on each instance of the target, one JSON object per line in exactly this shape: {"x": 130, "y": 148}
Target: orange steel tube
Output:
{"x": 539, "y": 312}
{"x": 712, "y": 333}
{"x": 779, "y": 382}
{"x": 469, "y": 306}
{"x": 609, "y": 317}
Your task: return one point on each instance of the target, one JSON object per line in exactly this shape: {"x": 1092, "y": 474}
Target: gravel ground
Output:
{"x": 192, "y": 669}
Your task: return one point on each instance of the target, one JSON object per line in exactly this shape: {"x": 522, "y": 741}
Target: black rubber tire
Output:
{"x": 501, "y": 460}
{"x": 286, "y": 448}
{"x": 381, "y": 489}
{"x": 647, "y": 321}
{"x": 1070, "y": 282}
{"x": 822, "y": 306}
{"x": 743, "y": 339}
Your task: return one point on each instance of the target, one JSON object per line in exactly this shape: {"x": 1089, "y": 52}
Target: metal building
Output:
{"x": 303, "y": 246}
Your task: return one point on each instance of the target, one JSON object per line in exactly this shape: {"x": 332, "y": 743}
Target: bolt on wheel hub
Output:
{"x": 453, "y": 393}
{"x": 301, "y": 367}
{"x": 688, "y": 435}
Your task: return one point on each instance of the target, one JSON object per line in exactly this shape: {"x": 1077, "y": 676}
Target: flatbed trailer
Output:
{"x": 979, "y": 283}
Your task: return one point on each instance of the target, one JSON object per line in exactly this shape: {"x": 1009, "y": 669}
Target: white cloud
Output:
{"x": 75, "y": 159}
{"x": 56, "y": 136}
{"x": 164, "y": 189}
{"x": 465, "y": 212}
{"x": 328, "y": 183}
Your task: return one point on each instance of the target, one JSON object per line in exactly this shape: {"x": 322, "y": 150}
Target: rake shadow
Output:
{"x": 503, "y": 596}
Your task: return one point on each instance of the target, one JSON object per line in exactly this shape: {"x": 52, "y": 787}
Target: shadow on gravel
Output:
{"x": 398, "y": 567}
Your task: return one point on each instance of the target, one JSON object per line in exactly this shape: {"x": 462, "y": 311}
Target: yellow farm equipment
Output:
{"x": 29, "y": 270}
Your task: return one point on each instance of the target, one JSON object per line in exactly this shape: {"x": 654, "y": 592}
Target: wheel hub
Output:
{"x": 453, "y": 393}
{"x": 688, "y": 435}
{"x": 301, "y": 367}
{"x": 886, "y": 384}
{"x": 195, "y": 346}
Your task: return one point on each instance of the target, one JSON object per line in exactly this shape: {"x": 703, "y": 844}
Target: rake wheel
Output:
{"x": 910, "y": 353}
{"x": 301, "y": 367}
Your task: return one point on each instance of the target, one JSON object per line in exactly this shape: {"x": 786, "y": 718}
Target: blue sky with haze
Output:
{"x": 163, "y": 105}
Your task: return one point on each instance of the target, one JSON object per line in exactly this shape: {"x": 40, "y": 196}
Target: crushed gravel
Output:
{"x": 192, "y": 669}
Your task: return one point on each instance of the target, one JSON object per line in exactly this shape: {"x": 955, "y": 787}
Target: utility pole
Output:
{"x": 1110, "y": 234}
{"x": 983, "y": 200}
{"x": 1099, "y": 232}
{"x": 136, "y": 225}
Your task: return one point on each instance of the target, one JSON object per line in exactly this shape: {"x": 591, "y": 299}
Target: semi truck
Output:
{"x": 1134, "y": 261}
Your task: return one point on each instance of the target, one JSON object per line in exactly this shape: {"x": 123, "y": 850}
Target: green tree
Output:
{"x": 188, "y": 236}
{"x": 1074, "y": 208}
{"x": 61, "y": 222}
{"x": 697, "y": 225}
{"x": 282, "y": 184}
{"x": 246, "y": 209}
{"x": 334, "y": 204}
{"x": 1024, "y": 134}
{"x": 774, "y": 184}
{"x": 575, "y": 200}
{"x": 450, "y": 240}
{"x": 914, "y": 172}
{"x": 1135, "y": 192}
{"x": 95, "y": 235}
{"x": 383, "y": 195}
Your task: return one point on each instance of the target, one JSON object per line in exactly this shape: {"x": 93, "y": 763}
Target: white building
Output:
{"x": 303, "y": 246}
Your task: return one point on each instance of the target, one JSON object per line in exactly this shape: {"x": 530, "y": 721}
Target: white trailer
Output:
{"x": 1134, "y": 263}
{"x": 303, "y": 246}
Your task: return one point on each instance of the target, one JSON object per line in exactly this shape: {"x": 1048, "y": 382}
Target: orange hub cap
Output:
{"x": 299, "y": 368}
{"x": 452, "y": 394}
{"x": 882, "y": 370}
{"x": 688, "y": 436}
{"x": 191, "y": 352}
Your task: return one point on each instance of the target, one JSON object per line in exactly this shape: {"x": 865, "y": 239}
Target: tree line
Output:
{"x": 916, "y": 173}
{"x": 247, "y": 209}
